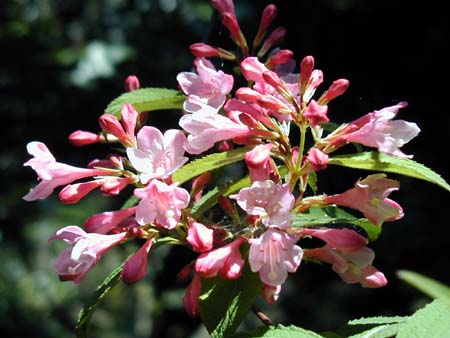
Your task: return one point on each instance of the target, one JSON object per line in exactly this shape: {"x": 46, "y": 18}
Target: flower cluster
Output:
{"x": 278, "y": 189}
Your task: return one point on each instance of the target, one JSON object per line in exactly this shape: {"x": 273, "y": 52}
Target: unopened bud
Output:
{"x": 247, "y": 94}
{"x": 306, "y": 68}
{"x": 110, "y": 124}
{"x": 336, "y": 89}
{"x": 132, "y": 83}
{"x": 82, "y": 138}
{"x": 270, "y": 102}
{"x": 203, "y": 50}
{"x": 268, "y": 15}
{"x": 274, "y": 38}
{"x": 280, "y": 57}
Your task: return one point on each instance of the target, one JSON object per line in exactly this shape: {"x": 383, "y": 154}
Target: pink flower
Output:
{"x": 317, "y": 158}
{"x": 259, "y": 163}
{"x": 226, "y": 261}
{"x": 190, "y": 299}
{"x": 345, "y": 240}
{"x": 161, "y": 204}
{"x": 206, "y": 129}
{"x": 370, "y": 197}
{"x": 135, "y": 267}
{"x": 103, "y": 222}
{"x": 84, "y": 252}
{"x": 379, "y": 130}
{"x": 53, "y": 174}
{"x": 269, "y": 201}
{"x": 353, "y": 266}
{"x": 200, "y": 237}
{"x": 274, "y": 254}
{"x": 207, "y": 90}
{"x": 157, "y": 155}
{"x": 316, "y": 114}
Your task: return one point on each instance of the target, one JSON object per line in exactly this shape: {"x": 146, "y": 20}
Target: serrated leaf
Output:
{"x": 432, "y": 321}
{"x": 279, "y": 331}
{"x": 382, "y": 331}
{"x": 381, "y": 162}
{"x": 100, "y": 293}
{"x": 334, "y": 215}
{"x": 147, "y": 99}
{"x": 378, "y": 320}
{"x": 427, "y": 285}
{"x": 224, "y": 303}
{"x": 208, "y": 163}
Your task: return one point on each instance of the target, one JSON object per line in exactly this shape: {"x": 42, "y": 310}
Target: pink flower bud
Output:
{"x": 272, "y": 103}
{"x": 231, "y": 23}
{"x": 316, "y": 114}
{"x": 73, "y": 193}
{"x": 129, "y": 119}
{"x": 135, "y": 267}
{"x": 103, "y": 222}
{"x": 112, "y": 186}
{"x": 190, "y": 299}
{"x": 110, "y": 124}
{"x": 184, "y": 273}
{"x": 132, "y": 83}
{"x": 82, "y": 138}
{"x": 317, "y": 159}
{"x": 247, "y": 94}
{"x": 199, "y": 183}
{"x": 259, "y": 163}
{"x": 200, "y": 237}
{"x": 271, "y": 293}
{"x": 336, "y": 89}
{"x": 203, "y": 50}
{"x": 280, "y": 57}
{"x": 274, "y": 38}
{"x": 345, "y": 240}
{"x": 273, "y": 79}
{"x": 225, "y": 261}
{"x": 306, "y": 68}
{"x": 268, "y": 15}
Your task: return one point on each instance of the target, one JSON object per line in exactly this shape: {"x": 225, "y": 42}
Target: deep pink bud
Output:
{"x": 190, "y": 299}
{"x": 135, "y": 267}
{"x": 203, "y": 50}
{"x": 110, "y": 124}
{"x": 270, "y": 102}
{"x": 306, "y": 68}
{"x": 272, "y": 79}
{"x": 274, "y": 38}
{"x": 231, "y": 23}
{"x": 132, "y": 83}
{"x": 73, "y": 193}
{"x": 114, "y": 185}
{"x": 280, "y": 57}
{"x": 200, "y": 237}
{"x": 316, "y": 113}
{"x": 82, "y": 138}
{"x": 184, "y": 273}
{"x": 103, "y": 222}
{"x": 268, "y": 15}
{"x": 129, "y": 119}
{"x": 336, "y": 89}
{"x": 317, "y": 159}
{"x": 247, "y": 94}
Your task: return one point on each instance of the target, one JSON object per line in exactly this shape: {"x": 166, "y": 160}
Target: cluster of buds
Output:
{"x": 216, "y": 118}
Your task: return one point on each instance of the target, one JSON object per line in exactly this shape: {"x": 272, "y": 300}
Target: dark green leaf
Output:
{"x": 100, "y": 293}
{"x": 381, "y": 162}
{"x": 147, "y": 99}
{"x": 427, "y": 285}
{"x": 224, "y": 303}
{"x": 208, "y": 163}
{"x": 334, "y": 215}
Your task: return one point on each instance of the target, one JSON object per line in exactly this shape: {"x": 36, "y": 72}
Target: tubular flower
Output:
{"x": 135, "y": 267}
{"x": 370, "y": 197}
{"x": 103, "y": 222}
{"x": 207, "y": 90}
{"x": 226, "y": 261}
{"x": 161, "y": 204}
{"x": 157, "y": 155}
{"x": 269, "y": 201}
{"x": 84, "y": 252}
{"x": 200, "y": 237}
{"x": 53, "y": 174}
{"x": 273, "y": 255}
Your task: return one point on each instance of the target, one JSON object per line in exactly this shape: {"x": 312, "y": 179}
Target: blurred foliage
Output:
{"x": 63, "y": 61}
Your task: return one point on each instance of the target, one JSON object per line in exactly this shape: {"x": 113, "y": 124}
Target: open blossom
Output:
{"x": 370, "y": 197}
{"x": 51, "y": 173}
{"x": 379, "y": 130}
{"x": 161, "y": 204}
{"x": 352, "y": 267}
{"x": 207, "y": 129}
{"x": 269, "y": 201}
{"x": 157, "y": 155}
{"x": 84, "y": 252}
{"x": 226, "y": 261}
{"x": 207, "y": 89}
{"x": 273, "y": 255}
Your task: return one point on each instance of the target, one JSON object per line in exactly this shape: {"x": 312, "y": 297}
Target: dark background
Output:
{"x": 64, "y": 61}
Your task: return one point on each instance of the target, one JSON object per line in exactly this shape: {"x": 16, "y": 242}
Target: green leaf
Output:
{"x": 224, "y": 303}
{"x": 381, "y": 162}
{"x": 100, "y": 293}
{"x": 147, "y": 99}
{"x": 432, "y": 321}
{"x": 208, "y": 163}
{"x": 427, "y": 285}
{"x": 381, "y": 331}
{"x": 279, "y": 331}
{"x": 130, "y": 202}
{"x": 378, "y": 320}
{"x": 334, "y": 215}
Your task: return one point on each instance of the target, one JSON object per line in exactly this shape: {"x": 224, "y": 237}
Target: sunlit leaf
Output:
{"x": 147, "y": 99}
{"x": 381, "y": 162}
{"x": 279, "y": 331}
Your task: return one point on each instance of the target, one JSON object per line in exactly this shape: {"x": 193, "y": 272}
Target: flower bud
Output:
{"x": 82, "y": 138}
{"x": 274, "y": 38}
{"x": 132, "y": 83}
{"x": 110, "y": 124}
{"x": 135, "y": 267}
{"x": 203, "y": 50}
{"x": 336, "y": 89}
{"x": 268, "y": 15}
{"x": 280, "y": 57}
